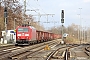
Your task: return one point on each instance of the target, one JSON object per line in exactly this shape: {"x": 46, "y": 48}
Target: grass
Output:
{"x": 71, "y": 40}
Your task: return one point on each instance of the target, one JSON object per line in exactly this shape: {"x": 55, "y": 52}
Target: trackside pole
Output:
{"x": 62, "y": 21}
{"x": 62, "y": 31}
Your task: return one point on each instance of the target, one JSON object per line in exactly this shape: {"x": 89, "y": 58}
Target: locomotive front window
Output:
{"x": 22, "y": 29}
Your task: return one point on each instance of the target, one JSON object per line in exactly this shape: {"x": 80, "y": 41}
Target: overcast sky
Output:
{"x": 70, "y": 7}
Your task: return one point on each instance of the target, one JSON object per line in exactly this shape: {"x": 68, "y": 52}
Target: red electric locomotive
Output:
{"x": 25, "y": 34}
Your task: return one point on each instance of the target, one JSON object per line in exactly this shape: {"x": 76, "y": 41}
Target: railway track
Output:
{"x": 30, "y": 51}
{"x": 6, "y": 47}
{"x": 62, "y": 53}
{"x": 79, "y": 53}
{"x": 6, "y": 51}
{"x": 21, "y": 53}
{"x": 54, "y": 53}
{"x": 87, "y": 48}
{"x": 37, "y": 52}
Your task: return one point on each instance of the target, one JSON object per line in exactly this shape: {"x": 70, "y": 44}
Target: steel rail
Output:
{"x": 52, "y": 53}
{"x": 23, "y": 50}
{"x": 23, "y": 55}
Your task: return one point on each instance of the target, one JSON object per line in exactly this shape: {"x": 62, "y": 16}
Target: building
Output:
{"x": 10, "y": 36}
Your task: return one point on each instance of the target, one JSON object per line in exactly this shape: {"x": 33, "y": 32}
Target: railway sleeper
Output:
{"x": 59, "y": 57}
{"x": 17, "y": 53}
{"x": 20, "y": 56}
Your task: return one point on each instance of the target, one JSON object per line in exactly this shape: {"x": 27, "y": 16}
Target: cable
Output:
{"x": 31, "y": 6}
{"x": 40, "y": 6}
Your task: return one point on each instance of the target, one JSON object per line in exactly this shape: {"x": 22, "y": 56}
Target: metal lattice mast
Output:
{"x": 24, "y": 21}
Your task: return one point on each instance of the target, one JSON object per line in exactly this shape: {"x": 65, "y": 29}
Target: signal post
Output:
{"x": 62, "y": 21}
{"x": 5, "y": 21}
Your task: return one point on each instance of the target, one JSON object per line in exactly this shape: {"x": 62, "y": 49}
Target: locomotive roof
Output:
{"x": 27, "y": 26}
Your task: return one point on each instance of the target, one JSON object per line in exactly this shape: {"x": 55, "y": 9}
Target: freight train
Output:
{"x": 29, "y": 35}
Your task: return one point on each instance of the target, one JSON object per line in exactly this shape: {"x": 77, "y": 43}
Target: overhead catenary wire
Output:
{"x": 42, "y": 10}
{"x": 40, "y": 6}
{"x": 35, "y": 7}
{"x": 37, "y": 4}
{"x": 28, "y": 4}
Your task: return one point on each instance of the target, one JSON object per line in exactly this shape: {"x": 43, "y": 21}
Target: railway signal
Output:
{"x": 62, "y": 16}
{"x": 5, "y": 15}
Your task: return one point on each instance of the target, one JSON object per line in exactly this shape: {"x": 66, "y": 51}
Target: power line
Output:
{"x": 40, "y": 6}
{"x": 31, "y": 5}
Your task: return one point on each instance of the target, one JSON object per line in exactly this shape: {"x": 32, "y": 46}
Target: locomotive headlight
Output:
{"x": 26, "y": 34}
{"x": 19, "y": 35}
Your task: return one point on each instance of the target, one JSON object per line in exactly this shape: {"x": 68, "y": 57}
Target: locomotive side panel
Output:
{"x": 33, "y": 34}
{"x": 36, "y": 35}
